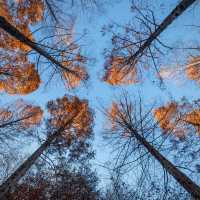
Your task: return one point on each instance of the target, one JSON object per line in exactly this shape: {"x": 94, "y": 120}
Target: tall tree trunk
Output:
{"x": 23, "y": 168}
{"x": 180, "y": 8}
{"x": 14, "y": 32}
{"x": 180, "y": 177}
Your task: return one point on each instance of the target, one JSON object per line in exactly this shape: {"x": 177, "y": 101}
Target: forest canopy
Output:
{"x": 99, "y": 100}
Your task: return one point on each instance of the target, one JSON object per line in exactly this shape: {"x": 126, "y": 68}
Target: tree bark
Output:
{"x": 180, "y": 177}
{"x": 176, "y": 12}
{"x": 22, "y": 169}
{"x": 14, "y": 32}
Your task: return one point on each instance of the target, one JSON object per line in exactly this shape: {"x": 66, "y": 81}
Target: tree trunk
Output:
{"x": 180, "y": 8}
{"x": 10, "y": 29}
{"x": 22, "y": 169}
{"x": 182, "y": 179}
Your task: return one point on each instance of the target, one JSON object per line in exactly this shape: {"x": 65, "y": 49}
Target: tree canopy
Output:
{"x": 99, "y": 99}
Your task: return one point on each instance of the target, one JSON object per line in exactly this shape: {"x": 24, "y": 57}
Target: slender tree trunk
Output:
{"x": 180, "y": 177}
{"x": 180, "y": 8}
{"x": 22, "y": 169}
{"x": 14, "y": 32}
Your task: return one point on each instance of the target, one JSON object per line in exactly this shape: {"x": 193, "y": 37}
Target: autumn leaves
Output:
{"x": 22, "y": 115}
{"x": 18, "y": 72}
{"x": 70, "y": 122}
{"x": 25, "y": 54}
{"x": 133, "y": 48}
{"x": 192, "y": 70}
{"x": 176, "y": 118}
{"x": 62, "y": 108}
{"x": 118, "y": 72}
{"x": 70, "y": 119}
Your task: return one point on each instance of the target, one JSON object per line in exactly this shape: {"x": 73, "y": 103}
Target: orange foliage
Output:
{"x": 23, "y": 14}
{"x": 71, "y": 59}
{"x": 170, "y": 120}
{"x": 177, "y": 118}
{"x": 117, "y": 116}
{"x": 118, "y": 72}
{"x": 5, "y": 115}
{"x": 113, "y": 114}
{"x": 193, "y": 69}
{"x": 21, "y": 80}
{"x": 73, "y": 80}
{"x": 166, "y": 116}
{"x": 76, "y": 65}
{"x": 63, "y": 108}
{"x": 1, "y": 85}
{"x": 23, "y": 114}
{"x": 193, "y": 118}
{"x": 32, "y": 115}
{"x": 30, "y": 11}
{"x": 9, "y": 43}
{"x": 6, "y": 41}
{"x": 4, "y": 10}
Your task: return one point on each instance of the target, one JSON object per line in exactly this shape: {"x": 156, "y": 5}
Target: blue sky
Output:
{"x": 100, "y": 93}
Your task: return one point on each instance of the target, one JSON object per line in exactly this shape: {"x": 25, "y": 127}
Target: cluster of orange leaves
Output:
{"x": 165, "y": 115}
{"x": 193, "y": 118}
{"x": 112, "y": 114}
{"x": 23, "y": 113}
{"x": 76, "y": 64}
{"x": 19, "y": 76}
{"x": 175, "y": 118}
{"x": 5, "y": 115}
{"x": 172, "y": 118}
{"x": 118, "y": 72}
{"x": 31, "y": 11}
{"x": 193, "y": 69}
{"x": 20, "y": 79}
{"x": 117, "y": 116}
{"x": 23, "y": 14}
{"x": 63, "y": 108}
{"x": 32, "y": 115}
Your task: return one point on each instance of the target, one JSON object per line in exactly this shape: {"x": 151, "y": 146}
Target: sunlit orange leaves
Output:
{"x": 30, "y": 11}
{"x": 73, "y": 79}
{"x": 18, "y": 76}
{"x": 20, "y": 80}
{"x": 1, "y": 85}
{"x": 11, "y": 14}
{"x": 193, "y": 69}
{"x": 62, "y": 109}
{"x": 119, "y": 115}
{"x": 5, "y": 115}
{"x": 4, "y": 10}
{"x": 178, "y": 118}
{"x": 75, "y": 67}
{"x": 112, "y": 114}
{"x": 193, "y": 118}
{"x": 31, "y": 115}
{"x": 170, "y": 119}
{"x": 117, "y": 72}
{"x": 15, "y": 55}
{"x": 166, "y": 116}
{"x": 71, "y": 58}
{"x": 21, "y": 114}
